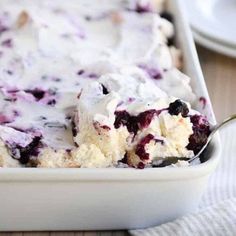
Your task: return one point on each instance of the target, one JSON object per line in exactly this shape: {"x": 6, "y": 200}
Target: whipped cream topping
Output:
{"x": 68, "y": 68}
{"x": 117, "y": 125}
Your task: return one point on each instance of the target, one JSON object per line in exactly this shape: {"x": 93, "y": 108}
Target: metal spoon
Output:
{"x": 214, "y": 129}
{"x": 172, "y": 160}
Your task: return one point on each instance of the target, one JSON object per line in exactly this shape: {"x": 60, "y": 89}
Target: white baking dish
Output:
{"x": 87, "y": 199}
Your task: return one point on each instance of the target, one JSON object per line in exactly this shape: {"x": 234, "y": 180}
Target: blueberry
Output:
{"x": 145, "y": 118}
{"x": 122, "y": 118}
{"x": 134, "y": 123}
{"x": 201, "y": 131}
{"x": 140, "y": 149}
{"x": 178, "y": 107}
{"x": 125, "y": 119}
{"x": 37, "y": 93}
{"x": 23, "y": 154}
{"x": 141, "y": 165}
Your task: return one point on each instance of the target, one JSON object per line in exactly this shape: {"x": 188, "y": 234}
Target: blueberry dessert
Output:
{"x": 94, "y": 84}
{"x": 144, "y": 131}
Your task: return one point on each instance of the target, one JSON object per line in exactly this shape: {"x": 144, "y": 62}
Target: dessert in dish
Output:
{"x": 93, "y": 84}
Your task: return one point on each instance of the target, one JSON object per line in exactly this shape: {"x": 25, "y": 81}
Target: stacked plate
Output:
{"x": 213, "y": 24}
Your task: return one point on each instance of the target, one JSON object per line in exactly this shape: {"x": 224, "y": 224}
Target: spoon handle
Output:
{"x": 223, "y": 123}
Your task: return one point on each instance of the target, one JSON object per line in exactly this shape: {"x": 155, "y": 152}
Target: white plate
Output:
{"x": 214, "y": 45}
{"x": 216, "y": 19}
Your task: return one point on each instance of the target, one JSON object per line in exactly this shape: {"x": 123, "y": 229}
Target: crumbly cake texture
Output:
{"x": 92, "y": 85}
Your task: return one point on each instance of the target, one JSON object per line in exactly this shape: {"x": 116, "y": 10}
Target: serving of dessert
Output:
{"x": 94, "y": 84}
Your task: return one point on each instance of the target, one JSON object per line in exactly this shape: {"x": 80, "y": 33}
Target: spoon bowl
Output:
{"x": 214, "y": 129}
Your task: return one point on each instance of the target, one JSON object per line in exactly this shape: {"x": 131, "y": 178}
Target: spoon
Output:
{"x": 172, "y": 160}
{"x": 214, "y": 129}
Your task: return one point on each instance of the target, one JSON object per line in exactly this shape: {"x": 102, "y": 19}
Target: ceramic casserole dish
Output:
{"x": 94, "y": 199}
